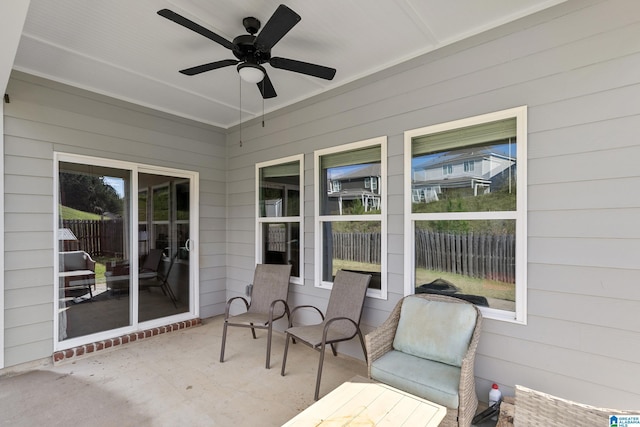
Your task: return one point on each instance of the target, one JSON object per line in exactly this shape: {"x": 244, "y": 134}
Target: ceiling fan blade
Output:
{"x": 280, "y": 23}
{"x": 303, "y": 68}
{"x": 208, "y": 67}
{"x": 181, "y": 20}
{"x": 266, "y": 87}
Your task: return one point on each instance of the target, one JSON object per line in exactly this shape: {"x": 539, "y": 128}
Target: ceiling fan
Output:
{"x": 253, "y": 50}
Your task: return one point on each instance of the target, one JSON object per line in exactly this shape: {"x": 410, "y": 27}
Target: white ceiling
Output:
{"x": 122, "y": 48}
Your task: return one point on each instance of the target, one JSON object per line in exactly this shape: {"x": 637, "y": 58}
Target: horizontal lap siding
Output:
{"x": 576, "y": 67}
{"x": 44, "y": 117}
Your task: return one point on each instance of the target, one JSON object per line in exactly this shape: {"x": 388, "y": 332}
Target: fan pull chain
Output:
{"x": 240, "y": 91}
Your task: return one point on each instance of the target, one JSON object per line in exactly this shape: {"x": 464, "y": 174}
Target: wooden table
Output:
{"x": 361, "y": 402}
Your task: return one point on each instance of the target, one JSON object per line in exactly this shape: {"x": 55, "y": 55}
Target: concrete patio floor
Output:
{"x": 174, "y": 379}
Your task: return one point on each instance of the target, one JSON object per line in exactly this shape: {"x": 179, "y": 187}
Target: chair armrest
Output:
{"x": 273, "y": 306}
{"x": 467, "y": 388}
{"x": 327, "y": 326}
{"x": 91, "y": 264}
{"x": 380, "y": 341}
{"x": 226, "y": 308}
{"x": 304, "y": 306}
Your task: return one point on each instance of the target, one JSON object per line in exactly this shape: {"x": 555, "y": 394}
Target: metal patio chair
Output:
{"x": 340, "y": 323}
{"x": 150, "y": 276}
{"x": 268, "y": 303}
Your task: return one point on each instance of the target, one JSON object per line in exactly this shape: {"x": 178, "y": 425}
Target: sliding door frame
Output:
{"x": 135, "y": 169}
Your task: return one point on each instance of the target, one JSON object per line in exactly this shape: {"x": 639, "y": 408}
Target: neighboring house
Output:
{"x": 359, "y": 184}
{"x": 473, "y": 169}
{"x": 575, "y": 66}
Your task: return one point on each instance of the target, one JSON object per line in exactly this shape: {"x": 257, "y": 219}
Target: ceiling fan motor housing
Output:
{"x": 245, "y": 50}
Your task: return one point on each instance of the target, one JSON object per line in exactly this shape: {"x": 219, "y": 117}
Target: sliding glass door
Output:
{"x": 164, "y": 275}
{"x": 119, "y": 271}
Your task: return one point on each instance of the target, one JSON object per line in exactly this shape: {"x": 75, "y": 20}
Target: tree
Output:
{"x": 88, "y": 193}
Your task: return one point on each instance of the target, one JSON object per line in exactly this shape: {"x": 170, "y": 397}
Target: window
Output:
{"x": 350, "y": 227}
{"x": 374, "y": 183}
{"x": 469, "y": 166}
{"x": 447, "y": 169}
{"x": 371, "y": 183}
{"x": 467, "y": 235}
{"x": 279, "y": 232}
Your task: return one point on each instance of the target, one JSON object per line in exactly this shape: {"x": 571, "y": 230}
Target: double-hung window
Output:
{"x": 468, "y": 237}
{"x": 279, "y": 233}
{"x": 350, "y": 228}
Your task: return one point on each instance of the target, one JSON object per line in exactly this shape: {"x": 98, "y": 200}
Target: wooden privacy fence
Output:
{"x": 97, "y": 237}
{"x": 488, "y": 256}
{"x": 277, "y": 239}
{"x": 360, "y": 247}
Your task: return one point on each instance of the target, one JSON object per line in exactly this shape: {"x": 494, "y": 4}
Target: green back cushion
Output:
{"x": 435, "y": 330}
{"x": 70, "y": 261}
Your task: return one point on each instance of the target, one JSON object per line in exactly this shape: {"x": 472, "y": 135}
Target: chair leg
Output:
{"x": 268, "y": 365}
{"x": 284, "y": 357}
{"x": 315, "y": 396}
{"x": 333, "y": 349}
{"x": 169, "y": 292}
{"x": 253, "y": 331}
{"x": 224, "y": 340}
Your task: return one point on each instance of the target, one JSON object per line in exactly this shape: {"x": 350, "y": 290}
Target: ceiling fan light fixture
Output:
{"x": 252, "y": 73}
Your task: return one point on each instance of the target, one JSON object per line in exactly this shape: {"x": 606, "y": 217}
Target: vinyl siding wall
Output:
{"x": 44, "y": 117}
{"x": 577, "y": 67}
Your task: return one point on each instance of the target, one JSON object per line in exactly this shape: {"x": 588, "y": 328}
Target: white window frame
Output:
{"x": 519, "y": 215}
{"x": 469, "y": 166}
{"x": 2, "y": 286}
{"x": 382, "y": 216}
{"x": 374, "y": 183}
{"x": 194, "y": 282}
{"x": 287, "y": 219}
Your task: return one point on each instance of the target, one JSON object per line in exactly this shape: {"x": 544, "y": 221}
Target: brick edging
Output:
{"x": 86, "y": 349}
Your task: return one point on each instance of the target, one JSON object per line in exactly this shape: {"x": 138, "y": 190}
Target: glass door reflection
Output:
{"x": 94, "y": 250}
{"x": 164, "y": 273}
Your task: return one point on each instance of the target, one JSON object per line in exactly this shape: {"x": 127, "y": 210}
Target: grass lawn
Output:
{"x": 70, "y": 213}
{"x": 468, "y": 285}
{"x": 341, "y": 264}
{"x": 101, "y": 267}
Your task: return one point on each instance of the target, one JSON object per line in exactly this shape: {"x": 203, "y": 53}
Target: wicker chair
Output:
{"x": 381, "y": 341}
{"x": 534, "y": 408}
{"x": 268, "y": 304}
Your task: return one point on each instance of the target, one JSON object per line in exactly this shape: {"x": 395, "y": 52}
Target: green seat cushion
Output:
{"x": 434, "y": 381}
{"x": 435, "y": 330}
{"x": 70, "y": 261}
